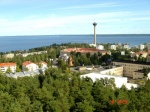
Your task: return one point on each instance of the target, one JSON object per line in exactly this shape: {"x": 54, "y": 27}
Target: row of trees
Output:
{"x": 63, "y": 92}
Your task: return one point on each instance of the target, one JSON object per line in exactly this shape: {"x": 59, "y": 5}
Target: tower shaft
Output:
{"x": 94, "y": 24}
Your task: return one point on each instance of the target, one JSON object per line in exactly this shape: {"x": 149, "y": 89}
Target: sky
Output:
{"x": 58, "y": 17}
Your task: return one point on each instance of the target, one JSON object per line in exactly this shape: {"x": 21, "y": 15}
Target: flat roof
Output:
{"x": 131, "y": 62}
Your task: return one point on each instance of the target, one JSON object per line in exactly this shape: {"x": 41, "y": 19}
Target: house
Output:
{"x": 4, "y": 67}
{"x": 30, "y": 66}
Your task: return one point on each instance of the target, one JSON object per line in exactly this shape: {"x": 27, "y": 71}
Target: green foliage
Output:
{"x": 8, "y": 70}
{"x": 61, "y": 92}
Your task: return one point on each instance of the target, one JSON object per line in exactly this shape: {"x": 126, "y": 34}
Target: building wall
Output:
{"x": 118, "y": 71}
{"x": 141, "y": 46}
{"x": 31, "y": 67}
{"x": 130, "y": 68}
{"x": 148, "y": 59}
{"x": 4, "y": 68}
{"x": 10, "y": 55}
{"x": 113, "y": 47}
{"x": 137, "y": 75}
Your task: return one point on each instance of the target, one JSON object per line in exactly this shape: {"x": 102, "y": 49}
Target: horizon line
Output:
{"x": 71, "y": 34}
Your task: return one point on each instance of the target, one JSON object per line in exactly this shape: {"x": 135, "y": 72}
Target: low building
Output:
{"x": 23, "y": 74}
{"x": 9, "y": 55}
{"x": 32, "y": 53}
{"x": 118, "y": 80}
{"x": 5, "y": 66}
{"x": 129, "y": 68}
{"x": 30, "y": 66}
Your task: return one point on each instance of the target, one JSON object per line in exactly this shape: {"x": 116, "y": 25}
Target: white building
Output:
{"x": 118, "y": 80}
{"x": 30, "y": 66}
{"x": 148, "y": 46}
{"x": 113, "y": 47}
{"x": 100, "y": 47}
{"x": 122, "y": 52}
{"x": 5, "y": 66}
{"x": 141, "y": 46}
{"x": 9, "y": 55}
{"x": 126, "y": 46}
{"x": 43, "y": 65}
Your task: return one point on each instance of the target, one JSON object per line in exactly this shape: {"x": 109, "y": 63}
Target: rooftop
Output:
{"x": 7, "y": 64}
{"x": 26, "y": 63}
{"x": 142, "y": 63}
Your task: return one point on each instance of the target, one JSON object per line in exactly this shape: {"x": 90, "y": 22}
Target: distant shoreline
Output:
{"x": 71, "y": 35}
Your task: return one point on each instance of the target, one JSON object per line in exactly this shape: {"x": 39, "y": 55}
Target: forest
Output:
{"x": 58, "y": 91}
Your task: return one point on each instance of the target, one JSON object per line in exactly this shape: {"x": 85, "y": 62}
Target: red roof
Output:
{"x": 44, "y": 62}
{"x": 26, "y": 63}
{"x": 82, "y": 50}
{"x": 140, "y": 53}
{"x": 7, "y": 64}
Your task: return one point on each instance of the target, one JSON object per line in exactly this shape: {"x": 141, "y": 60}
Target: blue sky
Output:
{"x": 50, "y": 17}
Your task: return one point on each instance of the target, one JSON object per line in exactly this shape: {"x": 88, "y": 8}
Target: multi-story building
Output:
{"x": 141, "y": 46}
{"x": 30, "y": 66}
{"x": 83, "y": 51}
{"x": 113, "y": 47}
{"x": 137, "y": 54}
{"x": 148, "y": 46}
{"x": 5, "y": 66}
{"x": 126, "y": 46}
{"x": 129, "y": 68}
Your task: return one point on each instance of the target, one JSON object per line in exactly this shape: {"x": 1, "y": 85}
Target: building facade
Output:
{"x": 5, "y": 66}
{"x": 29, "y": 66}
{"x": 130, "y": 68}
{"x": 113, "y": 47}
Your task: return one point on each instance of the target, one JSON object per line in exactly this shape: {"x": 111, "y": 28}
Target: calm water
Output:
{"x": 11, "y": 43}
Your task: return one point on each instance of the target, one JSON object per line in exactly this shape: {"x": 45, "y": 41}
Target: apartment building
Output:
{"x": 130, "y": 69}
{"x": 83, "y": 51}
{"x": 30, "y": 66}
{"x": 5, "y": 66}
{"x": 113, "y": 47}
